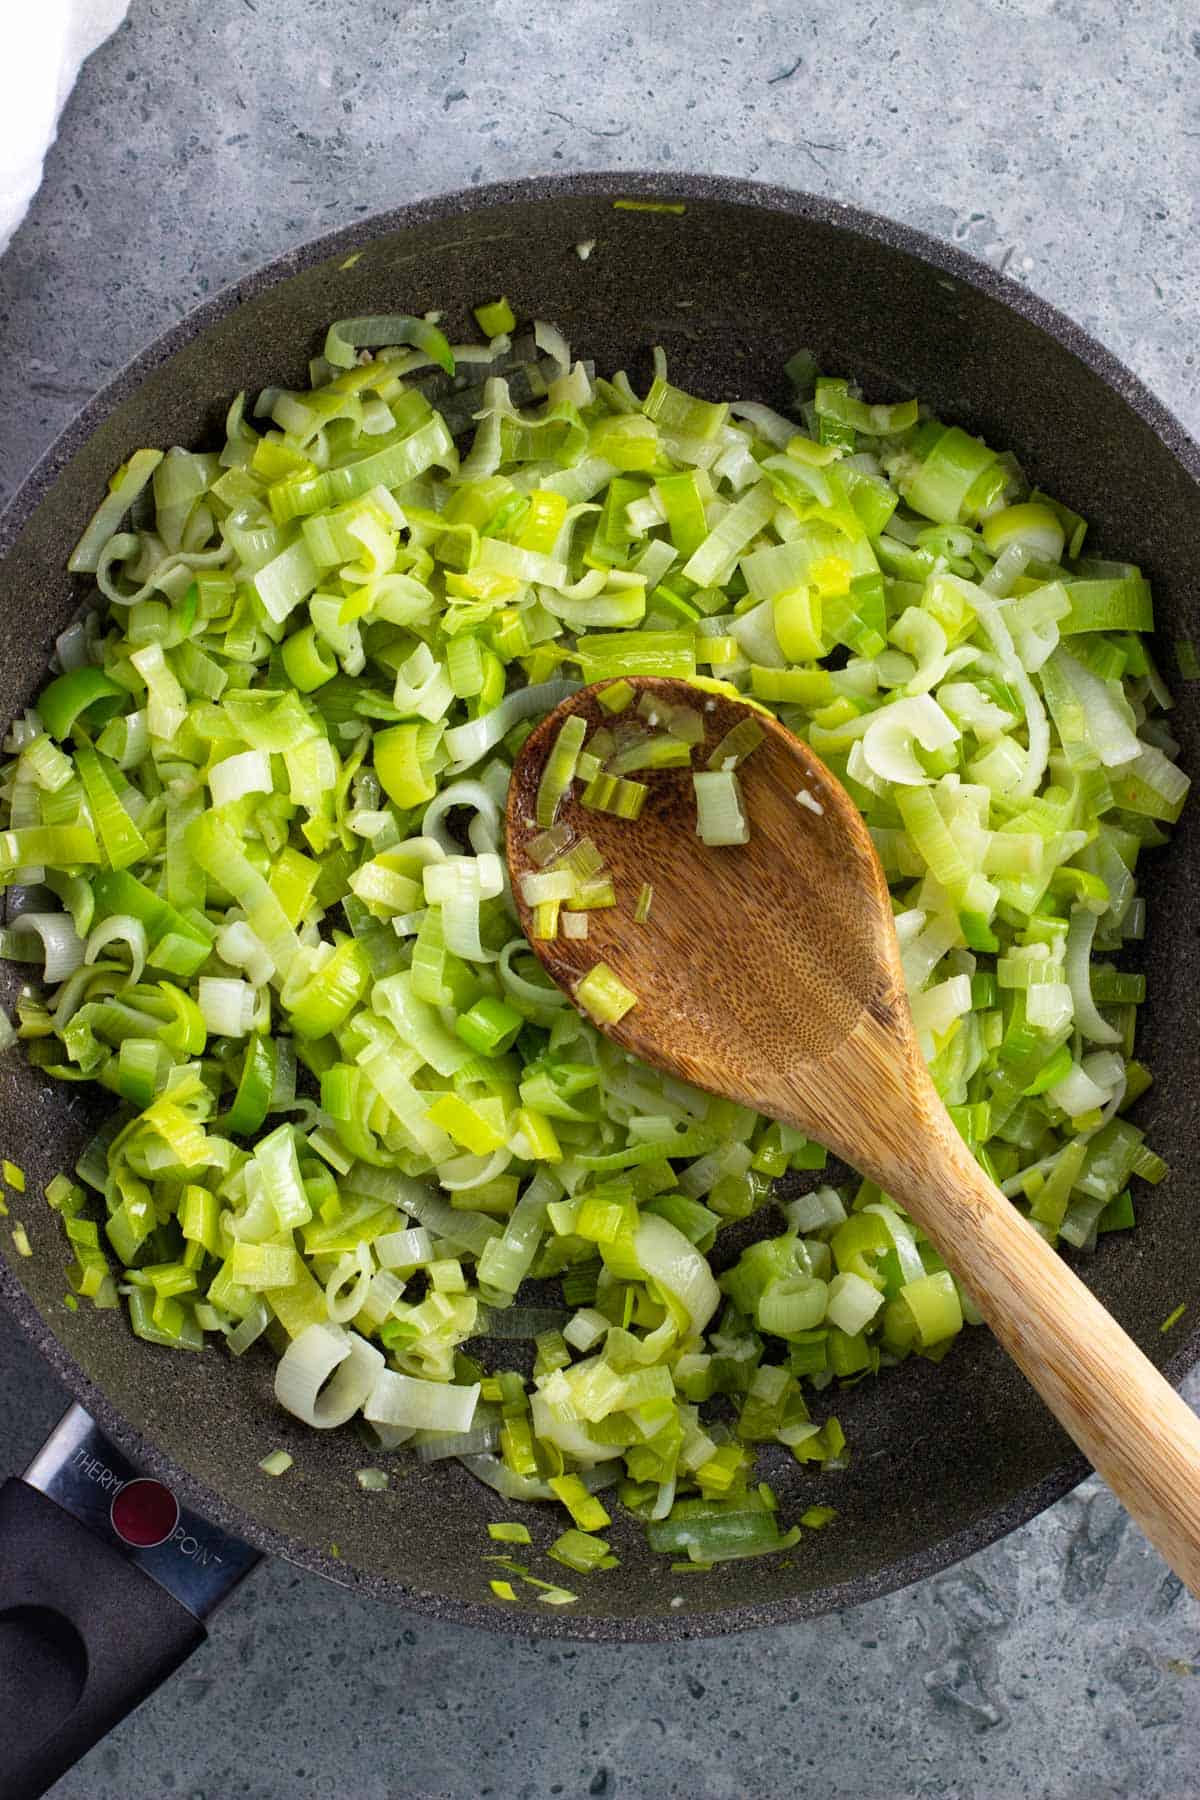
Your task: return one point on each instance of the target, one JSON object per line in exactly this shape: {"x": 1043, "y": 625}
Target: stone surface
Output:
{"x": 1053, "y": 138}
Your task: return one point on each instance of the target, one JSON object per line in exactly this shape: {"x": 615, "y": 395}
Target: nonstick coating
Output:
{"x": 945, "y": 1458}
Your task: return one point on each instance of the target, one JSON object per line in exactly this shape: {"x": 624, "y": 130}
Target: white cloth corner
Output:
{"x": 46, "y": 42}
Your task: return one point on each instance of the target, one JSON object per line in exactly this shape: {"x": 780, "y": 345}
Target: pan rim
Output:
{"x": 701, "y": 188}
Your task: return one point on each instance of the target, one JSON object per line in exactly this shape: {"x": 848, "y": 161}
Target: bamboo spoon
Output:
{"x": 770, "y": 973}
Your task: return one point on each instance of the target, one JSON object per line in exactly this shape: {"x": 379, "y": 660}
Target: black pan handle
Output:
{"x": 84, "y": 1637}
{"x": 105, "y": 1579}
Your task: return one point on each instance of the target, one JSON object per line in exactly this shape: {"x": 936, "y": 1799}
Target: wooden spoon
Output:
{"x": 770, "y": 973}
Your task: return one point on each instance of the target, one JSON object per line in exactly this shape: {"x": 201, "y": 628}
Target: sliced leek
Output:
{"x": 251, "y": 836}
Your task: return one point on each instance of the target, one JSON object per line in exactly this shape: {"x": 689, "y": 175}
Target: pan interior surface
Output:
{"x": 944, "y": 1457}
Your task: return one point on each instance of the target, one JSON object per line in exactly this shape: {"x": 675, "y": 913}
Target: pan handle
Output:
{"x": 84, "y": 1637}
{"x": 105, "y": 1580}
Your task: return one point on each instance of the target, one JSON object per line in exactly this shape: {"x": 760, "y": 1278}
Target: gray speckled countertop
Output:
{"x": 203, "y": 139}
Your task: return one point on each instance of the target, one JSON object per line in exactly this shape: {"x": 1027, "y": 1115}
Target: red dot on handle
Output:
{"x": 144, "y": 1513}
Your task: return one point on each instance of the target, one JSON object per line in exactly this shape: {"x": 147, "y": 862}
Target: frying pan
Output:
{"x": 730, "y": 278}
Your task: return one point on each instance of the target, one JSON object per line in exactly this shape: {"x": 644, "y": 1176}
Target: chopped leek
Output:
{"x": 817, "y": 1517}
{"x": 604, "y": 995}
{"x": 720, "y": 810}
{"x": 559, "y": 771}
{"x": 509, "y": 1534}
{"x": 737, "y": 745}
{"x": 252, "y": 836}
{"x": 495, "y": 317}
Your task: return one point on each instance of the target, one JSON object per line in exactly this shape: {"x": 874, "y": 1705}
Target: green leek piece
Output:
{"x": 831, "y": 400}
{"x": 123, "y": 843}
{"x": 349, "y": 335}
{"x": 583, "y": 1507}
{"x": 307, "y": 661}
{"x": 256, "y": 1085}
{"x": 720, "y": 812}
{"x": 660, "y": 752}
{"x": 952, "y": 476}
{"x": 737, "y": 744}
{"x": 614, "y": 794}
{"x": 559, "y": 770}
{"x": 509, "y": 1534}
{"x": 401, "y": 766}
{"x": 495, "y": 317}
{"x": 580, "y": 1551}
{"x": 604, "y": 995}
{"x": 72, "y": 696}
{"x": 616, "y": 696}
{"x": 490, "y": 1026}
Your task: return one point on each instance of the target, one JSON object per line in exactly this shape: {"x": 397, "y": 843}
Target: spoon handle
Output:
{"x": 1137, "y": 1432}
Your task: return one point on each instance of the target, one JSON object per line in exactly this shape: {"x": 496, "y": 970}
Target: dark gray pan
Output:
{"x": 945, "y": 1459}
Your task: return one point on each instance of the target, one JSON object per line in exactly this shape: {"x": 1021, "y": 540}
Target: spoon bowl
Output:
{"x": 791, "y": 942}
